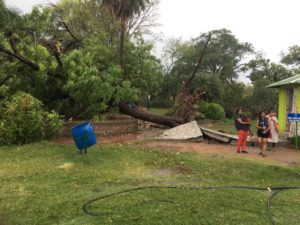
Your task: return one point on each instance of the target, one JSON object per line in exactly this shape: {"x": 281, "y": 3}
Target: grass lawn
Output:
{"x": 159, "y": 111}
{"x": 47, "y": 183}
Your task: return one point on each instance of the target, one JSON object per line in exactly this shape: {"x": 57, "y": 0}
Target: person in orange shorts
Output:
{"x": 243, "y": 128}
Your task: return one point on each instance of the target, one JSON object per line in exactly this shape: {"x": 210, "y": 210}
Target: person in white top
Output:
{"x": 274, "y": 127}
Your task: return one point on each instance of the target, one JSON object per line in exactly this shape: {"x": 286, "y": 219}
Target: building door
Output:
{"x": 289, "y": 102}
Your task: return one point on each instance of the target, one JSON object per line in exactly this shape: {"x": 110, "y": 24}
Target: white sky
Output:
{"x": 26, "y": 5}
{"x": 270, "y": 25}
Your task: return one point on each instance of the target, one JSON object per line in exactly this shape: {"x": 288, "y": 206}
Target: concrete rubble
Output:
{"x": 218, "y": 136}
{"x": 186, "y": 131}
{"x": 193, "y": 132}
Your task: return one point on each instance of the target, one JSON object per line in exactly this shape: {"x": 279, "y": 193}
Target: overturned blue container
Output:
{"x": 83, "y": 135}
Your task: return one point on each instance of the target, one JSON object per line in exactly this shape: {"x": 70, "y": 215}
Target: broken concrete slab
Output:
{"x": 186, "y": 131}
{"x": 222, "y": 137}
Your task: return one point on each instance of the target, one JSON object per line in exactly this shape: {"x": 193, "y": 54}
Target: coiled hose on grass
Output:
{"x": 274, "y": 190}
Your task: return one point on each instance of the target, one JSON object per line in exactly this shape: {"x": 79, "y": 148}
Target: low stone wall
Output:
{"x": 105, "y": 128}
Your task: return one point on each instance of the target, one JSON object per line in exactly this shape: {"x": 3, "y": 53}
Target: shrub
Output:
{"x": 98, "y": 118}
{"x": 23, "y": 120}
{"x": 212, "y": 110}
{"x": 200, "y": 116}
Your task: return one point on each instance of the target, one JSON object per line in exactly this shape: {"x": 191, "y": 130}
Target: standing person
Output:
{"x": 149, "y": 102}
{"x": 274, "y": 128}
{"x": 242, "y": 128}
{"x": 263, "y": 132}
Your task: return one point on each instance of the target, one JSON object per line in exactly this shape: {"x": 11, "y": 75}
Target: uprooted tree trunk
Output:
{"x": 184, "y": 102}
{"x": 144, "y": 115}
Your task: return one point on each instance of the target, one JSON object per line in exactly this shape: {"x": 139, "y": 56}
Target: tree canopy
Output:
{"x": 82, "y": 67}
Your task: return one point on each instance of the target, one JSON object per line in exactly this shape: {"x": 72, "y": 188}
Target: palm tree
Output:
{"x": 9, "y": 16}
{"x": 123, "y": 10}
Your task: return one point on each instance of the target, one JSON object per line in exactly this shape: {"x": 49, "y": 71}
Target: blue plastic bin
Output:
{"x": 83, "y": 135}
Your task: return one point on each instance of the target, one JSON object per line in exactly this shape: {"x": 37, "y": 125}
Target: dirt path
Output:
{"x": 122, "y": 138}
{"x": 284, "y": 156}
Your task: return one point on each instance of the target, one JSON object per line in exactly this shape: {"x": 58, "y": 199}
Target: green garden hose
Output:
{"x": 274, "y": 190}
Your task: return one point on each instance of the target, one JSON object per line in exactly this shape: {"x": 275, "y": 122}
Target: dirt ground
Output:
{"x": 131, "y": 137}
{"x": 282, "y": 155}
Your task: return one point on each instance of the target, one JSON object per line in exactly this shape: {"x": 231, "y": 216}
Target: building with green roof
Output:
{"x": 289, "y": 101}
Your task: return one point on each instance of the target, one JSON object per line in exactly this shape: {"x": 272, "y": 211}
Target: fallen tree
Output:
{"x": 184, "y": 101}
{"x": 135, "y": 112}
{"x": 58, "y": 46}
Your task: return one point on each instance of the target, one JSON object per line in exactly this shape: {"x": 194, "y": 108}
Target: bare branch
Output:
{"x": 145, "y": 19}
{"x": 187, "y": 83}
{"x": 68, "y": 29}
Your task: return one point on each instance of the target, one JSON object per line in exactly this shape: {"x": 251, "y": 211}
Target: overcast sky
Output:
{"x": 270, "y": 25}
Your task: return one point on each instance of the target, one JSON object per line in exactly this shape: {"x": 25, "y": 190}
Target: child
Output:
{"x": 249, "y": 120}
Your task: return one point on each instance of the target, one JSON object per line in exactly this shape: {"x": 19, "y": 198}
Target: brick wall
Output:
{"x": 105, "y": 128}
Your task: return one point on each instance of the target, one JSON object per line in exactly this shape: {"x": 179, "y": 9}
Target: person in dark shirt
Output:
{"x": 242, "y": 126}
{"x": 263, "y": 132}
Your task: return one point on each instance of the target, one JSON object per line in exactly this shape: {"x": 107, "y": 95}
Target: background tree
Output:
{"x": 124, "y": 10}
{"x": 221, "y": 66}
{"x": 263, "y": 72}
{"x": 292, "y": 59}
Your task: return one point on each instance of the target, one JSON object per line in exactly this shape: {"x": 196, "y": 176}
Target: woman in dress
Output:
{"x": 242, "y": 126}
{"x": 274, "y": 127}
{"x": 263, "y": 132}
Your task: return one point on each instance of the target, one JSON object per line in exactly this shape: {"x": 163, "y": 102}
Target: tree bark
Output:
{"x": 143, "y": 115}
{"x": 184, "y": 106}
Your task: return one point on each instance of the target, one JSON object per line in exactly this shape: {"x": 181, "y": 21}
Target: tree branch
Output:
{"x": 70, "y": 45}
{"x": 147, "y": 18}
{"x": 21, "y": 58}
{"x": 68, "y": 29}
{"x": 187, "y": 83}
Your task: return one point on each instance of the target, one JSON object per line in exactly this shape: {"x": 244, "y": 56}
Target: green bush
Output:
{"x": 23, "y": 120}
{"x": 212, "y": 111}
{"x": 200, "y": 116}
